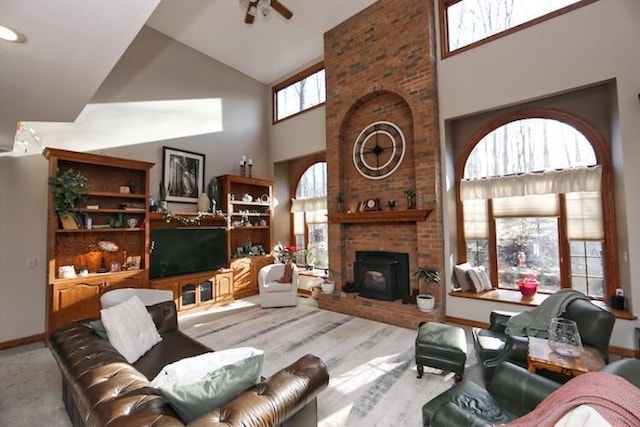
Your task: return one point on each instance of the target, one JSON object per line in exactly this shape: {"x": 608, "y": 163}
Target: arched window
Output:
{"x": 309, "y": 210}
{"x": 531, "y": 205}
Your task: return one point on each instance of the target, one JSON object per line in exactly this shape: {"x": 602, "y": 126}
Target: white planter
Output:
{"x": 328, "y": 287}
{"x": 425, "y": 302}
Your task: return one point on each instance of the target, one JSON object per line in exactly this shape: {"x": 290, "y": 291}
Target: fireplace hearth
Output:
{"x": 382, "y": 275}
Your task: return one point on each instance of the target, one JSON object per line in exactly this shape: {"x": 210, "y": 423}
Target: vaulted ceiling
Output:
{"x": 72, "y": 46}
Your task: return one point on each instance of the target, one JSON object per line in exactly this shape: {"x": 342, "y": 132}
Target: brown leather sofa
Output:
{"x": 100, "y": 388}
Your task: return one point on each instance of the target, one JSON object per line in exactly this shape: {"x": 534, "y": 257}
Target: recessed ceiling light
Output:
{"x": 8, "y": 34}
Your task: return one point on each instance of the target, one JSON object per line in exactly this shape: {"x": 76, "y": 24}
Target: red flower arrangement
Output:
{"x": 286, "y": 254}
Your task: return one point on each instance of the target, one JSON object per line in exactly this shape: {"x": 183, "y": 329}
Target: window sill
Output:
{"x": 515, "y": 297}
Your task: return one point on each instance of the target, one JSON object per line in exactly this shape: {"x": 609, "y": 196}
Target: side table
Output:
{"x": 541, "y": 356}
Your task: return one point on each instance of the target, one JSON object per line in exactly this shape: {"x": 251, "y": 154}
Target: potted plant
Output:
{"x": 426, "y": 302}
{"x": 68, "y": 188}
{"x": 328, "y": 286}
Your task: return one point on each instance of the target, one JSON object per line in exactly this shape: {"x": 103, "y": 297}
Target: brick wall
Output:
{"x": 380, "y": 66}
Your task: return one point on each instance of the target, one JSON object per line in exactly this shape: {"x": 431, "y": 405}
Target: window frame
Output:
{"x": 296, "y": 175}
{"x": 443, "y": 6}
{"x": 600, "y": 148}
{"x": 291, "y": 81}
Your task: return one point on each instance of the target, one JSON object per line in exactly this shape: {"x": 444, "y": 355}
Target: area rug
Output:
{"x": 371, "y": 365}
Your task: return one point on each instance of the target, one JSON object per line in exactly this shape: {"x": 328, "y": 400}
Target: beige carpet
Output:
{"x": 371, "y": 365}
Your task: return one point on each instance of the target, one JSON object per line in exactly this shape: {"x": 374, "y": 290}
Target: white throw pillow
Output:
{"x": 196, "y": 385}
{"x": 480, "y": 279}
{"x": 464, "y": 282}
{"x": 130, "y": 328}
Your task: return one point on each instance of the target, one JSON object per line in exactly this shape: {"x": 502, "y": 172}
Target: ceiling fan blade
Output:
{"x": 281, "y": 9}
{"x": 248, "y": 17}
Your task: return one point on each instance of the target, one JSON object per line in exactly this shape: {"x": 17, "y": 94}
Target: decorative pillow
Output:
{"x": 480, "y": 279}
{"x": 287, "y": 276}
{"x": 130, "y": 328}
{"x": 464, "y": 282}
{"x": 196, "y": 385}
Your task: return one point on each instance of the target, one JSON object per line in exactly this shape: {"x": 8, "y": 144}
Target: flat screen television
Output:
{"x": 187, "y": 250}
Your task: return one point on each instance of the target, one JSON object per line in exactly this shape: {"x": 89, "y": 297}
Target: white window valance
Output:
{"x": 564, "y": 181}
{"x": 309, "y": 204}
{"x": 312, "y": 210}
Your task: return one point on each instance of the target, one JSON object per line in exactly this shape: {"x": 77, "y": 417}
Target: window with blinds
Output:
{"x": 539, "y": 210}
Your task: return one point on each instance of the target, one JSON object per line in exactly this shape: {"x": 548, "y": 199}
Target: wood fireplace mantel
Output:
{"x": 411, "y": 215}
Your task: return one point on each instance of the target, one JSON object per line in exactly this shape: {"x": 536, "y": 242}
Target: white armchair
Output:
{"x": 274, "y": 293}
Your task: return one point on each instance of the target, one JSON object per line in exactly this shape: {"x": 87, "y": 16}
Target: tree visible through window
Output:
{"x": 468, "y": 22}
{"x": 531, "y": 194}
{"x": 302, "y": 92}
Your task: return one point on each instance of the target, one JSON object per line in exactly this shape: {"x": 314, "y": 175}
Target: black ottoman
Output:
{"x": 441, "y": 346}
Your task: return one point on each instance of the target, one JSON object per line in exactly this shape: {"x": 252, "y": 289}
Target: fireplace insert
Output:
{"x": 382, "y": 275}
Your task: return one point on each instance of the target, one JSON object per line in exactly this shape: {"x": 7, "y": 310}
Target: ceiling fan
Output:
{"x": 253, "y": 6}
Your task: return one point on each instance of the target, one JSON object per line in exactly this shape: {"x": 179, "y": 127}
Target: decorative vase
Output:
{"x": 564, "y": 337}
{"x": 426, "y": 302}
{"x": 203, "y": 203}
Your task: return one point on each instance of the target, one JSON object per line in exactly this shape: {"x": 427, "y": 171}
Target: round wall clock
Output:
{"x": 378, "y": 150}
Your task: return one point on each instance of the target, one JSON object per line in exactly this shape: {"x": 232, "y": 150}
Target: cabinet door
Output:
{"x": 188, "y": 290}
{"x": 224, "y": 286}
{"x": 74, "y": 302}
{"x": 241, "y": 277}
{"x": 206, "y": 291}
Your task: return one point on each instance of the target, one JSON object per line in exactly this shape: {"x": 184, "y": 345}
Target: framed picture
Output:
{"x": 182, "y": 175}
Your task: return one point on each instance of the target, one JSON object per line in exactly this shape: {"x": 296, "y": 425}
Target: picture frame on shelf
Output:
{"x": 183, "y": 175}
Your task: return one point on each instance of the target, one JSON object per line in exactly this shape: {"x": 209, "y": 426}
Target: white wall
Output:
{"x": 153, "y": 68}
{"x": 299, "y": 136}
{"x": 595, "y": 43}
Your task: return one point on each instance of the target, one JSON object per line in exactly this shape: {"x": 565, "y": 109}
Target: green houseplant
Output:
{"x": 426, "y": 302}
{"x": 68, "y": 188}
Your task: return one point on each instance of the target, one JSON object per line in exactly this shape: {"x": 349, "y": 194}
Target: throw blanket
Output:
{"x": 613, "y": 397}
{"x": 535, "y": 322}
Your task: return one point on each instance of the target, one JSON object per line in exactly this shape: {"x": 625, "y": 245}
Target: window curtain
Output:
{"x": 312, "y": 210}
{"x": 584, "y": 216}
{"x": 536, "y": 194}
{"x": 475, "y": 218}
{"x": 571, "y": 180}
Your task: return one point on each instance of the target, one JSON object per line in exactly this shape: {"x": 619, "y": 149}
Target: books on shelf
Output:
{"x": 68, "y": 221}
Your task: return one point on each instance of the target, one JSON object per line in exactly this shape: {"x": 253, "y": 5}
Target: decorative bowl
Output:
{"x": 527, "y": 287}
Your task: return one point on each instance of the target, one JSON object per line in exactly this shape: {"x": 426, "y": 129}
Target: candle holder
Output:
{"x": 250, "y": 167}
{"x": 242, "y": 170}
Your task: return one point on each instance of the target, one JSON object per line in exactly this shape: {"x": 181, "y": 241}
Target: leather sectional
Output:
{"x": 100, "y": 388}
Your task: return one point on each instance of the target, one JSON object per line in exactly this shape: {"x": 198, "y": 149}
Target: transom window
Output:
{"x": 299, "y": 93}
{"x": 309, "y": 209}
{"x": 531, "y": 202}
{"x": 468, "y": 23}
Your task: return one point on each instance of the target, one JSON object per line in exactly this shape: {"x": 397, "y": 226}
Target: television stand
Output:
{"x": 207, "y": 288}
